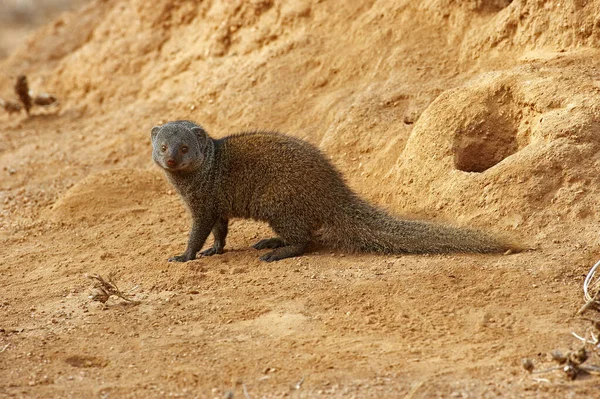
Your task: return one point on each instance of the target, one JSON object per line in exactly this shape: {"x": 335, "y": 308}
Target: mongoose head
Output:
{"x": 179, "y": 146}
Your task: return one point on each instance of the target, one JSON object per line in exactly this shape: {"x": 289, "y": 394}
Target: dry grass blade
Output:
{"x": 592, "y": 369}
{"x": 246, "y": 394}
{"x": 591, "y": 289}
{"x": 573, "y": 362}
{"x": 299, "y": 383}
{"x": 104, "y": 289}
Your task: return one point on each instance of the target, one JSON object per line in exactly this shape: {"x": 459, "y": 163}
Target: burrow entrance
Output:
{"x": 489, "y": 136}
{"x": 483, "y": 145}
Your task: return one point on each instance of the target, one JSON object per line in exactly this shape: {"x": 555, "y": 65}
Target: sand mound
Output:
{"x": 528, "y": 25}
{"x": 109, "y": 195}
{"x": 315, "y": 58}
{"x": 517, "y": 146}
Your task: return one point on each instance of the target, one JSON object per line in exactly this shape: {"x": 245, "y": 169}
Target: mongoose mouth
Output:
{"x": 175, "y": 167}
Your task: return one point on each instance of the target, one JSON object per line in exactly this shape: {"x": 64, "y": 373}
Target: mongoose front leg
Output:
{"x": 219, "y": 231}
{"x": 270, "y": 243}
{"x": 200, "y": 230}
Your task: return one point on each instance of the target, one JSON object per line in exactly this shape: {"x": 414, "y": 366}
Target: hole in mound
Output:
{"x": 484, "y": 144}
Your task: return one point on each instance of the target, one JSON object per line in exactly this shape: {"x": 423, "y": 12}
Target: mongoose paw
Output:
{"x": 269, "y": 243}
{"x": 180, "y": 258}
{"x": 211, "y": 251}
{"x": 287, "y": 251}
{"x": 270, "y": 257}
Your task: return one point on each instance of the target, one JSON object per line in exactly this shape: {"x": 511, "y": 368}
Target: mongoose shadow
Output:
{"x": 291, "y": 185}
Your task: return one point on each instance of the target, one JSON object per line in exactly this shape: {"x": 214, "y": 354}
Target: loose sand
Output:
{"x": 478, "y": 113}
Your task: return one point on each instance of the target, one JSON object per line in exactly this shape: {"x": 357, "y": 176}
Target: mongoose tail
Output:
{"x": 369, "y": 229}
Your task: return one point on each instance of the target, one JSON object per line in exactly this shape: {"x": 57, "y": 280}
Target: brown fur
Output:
{"x": 291, "y": 185}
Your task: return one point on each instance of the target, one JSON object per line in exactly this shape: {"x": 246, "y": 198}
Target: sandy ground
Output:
{"x": 478, "y": 113}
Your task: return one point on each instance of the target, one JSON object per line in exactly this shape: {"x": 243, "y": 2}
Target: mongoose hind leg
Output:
{"x": 288, "y": 251}
{"x": 295, "y": 235}
{"x": 219, "y": 231}
{"x": 269, "y": 243}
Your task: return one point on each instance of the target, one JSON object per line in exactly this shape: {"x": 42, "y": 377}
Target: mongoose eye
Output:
{"x": 184, "y": 149}
{"x": 163, "y": 148}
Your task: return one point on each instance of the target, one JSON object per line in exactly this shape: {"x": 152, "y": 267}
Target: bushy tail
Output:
{"x": 360, "y": 227}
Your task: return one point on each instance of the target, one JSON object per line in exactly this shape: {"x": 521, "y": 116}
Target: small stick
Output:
{"x": 541, "y": 380}
{"x": 413, "y": 389}
{"x": 299, "y": 383}
{"x": 108, "y": 288}
{"x": 246, "y": 395}
{"x": 588, "y": 304}
{"x": 547, "y": 370}
{"x": 591, "y": 369}
{"x": 583, "y": 339}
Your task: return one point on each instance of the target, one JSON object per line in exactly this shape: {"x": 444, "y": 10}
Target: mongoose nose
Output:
{"x": 171, "y": 162}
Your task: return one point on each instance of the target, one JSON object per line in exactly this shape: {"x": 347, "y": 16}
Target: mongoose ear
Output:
{"x": 154, "y": 131}
{"x": 201, "y": 135}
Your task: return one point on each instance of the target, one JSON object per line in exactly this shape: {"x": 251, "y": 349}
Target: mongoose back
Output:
{"x": 291, "y": 185}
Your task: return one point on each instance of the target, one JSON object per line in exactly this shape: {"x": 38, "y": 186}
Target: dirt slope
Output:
{"x": 479, "y": 113}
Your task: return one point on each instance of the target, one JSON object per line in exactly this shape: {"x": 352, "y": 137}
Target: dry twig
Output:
{"x": 246, "y": 395}
{"x": 299, "y": 383}
{"x": 104, "y": 289}
{"x": 572, "y": 363}
{"x": 591, "y": 290}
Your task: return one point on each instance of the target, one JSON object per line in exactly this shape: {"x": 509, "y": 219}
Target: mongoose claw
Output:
{"x": 211, "y": 251}
{"x": 269, "y": 257}
{"x": 179, "y": 258}
{"x": 287, "y": 251}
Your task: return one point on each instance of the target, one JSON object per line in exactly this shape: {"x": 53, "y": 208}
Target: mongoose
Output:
{"x": 291, "y": 185}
